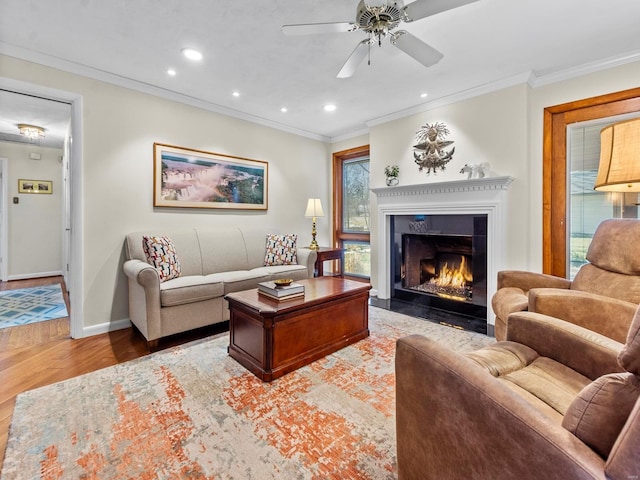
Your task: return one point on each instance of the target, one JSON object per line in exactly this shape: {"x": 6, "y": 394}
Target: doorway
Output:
{"x": 73, "y": 222}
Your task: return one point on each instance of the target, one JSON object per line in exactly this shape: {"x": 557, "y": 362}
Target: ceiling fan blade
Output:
{"x": 355, "y": 59}
{"x": 314, "y": 28}
{"x": 416, "y": 48}
{"x": 425, "y": 8}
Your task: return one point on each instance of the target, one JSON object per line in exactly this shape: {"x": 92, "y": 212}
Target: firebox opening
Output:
{"x": 439, "y": 268}
{"x": 447, "y": 276}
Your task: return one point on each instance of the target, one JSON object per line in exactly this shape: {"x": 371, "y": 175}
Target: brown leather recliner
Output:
{"x": 554, "y": 401}
{"x": 602, "y": 297}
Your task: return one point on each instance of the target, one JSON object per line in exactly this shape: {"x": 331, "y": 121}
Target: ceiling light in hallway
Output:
{"x": 30, "y": 131}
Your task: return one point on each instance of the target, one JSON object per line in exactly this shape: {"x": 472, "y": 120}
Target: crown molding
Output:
{"x": 118, "y": 80}
{"x": 540, "y": 80}
{"x": 531, "y": 78}
{"x": 453, "y": 98}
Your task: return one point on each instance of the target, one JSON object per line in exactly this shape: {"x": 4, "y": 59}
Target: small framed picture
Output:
{"x": 35, "y": 186}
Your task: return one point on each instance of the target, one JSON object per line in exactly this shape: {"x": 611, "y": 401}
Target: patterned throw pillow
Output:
{"x": 281, "y": 250}
{"x": 161, "y": 254}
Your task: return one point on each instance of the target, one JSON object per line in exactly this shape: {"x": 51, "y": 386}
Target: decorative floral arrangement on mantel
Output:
{"x": 392, "y": 171}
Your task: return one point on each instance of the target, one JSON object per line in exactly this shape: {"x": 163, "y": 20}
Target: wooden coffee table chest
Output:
{"x": 272, "y": 338}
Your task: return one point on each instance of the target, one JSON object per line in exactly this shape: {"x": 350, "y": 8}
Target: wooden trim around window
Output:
{"x": 554, "y": 167}
{"x": 338, "y": 159}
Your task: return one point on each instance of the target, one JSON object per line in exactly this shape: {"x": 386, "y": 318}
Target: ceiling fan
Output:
{"x": 379, "y": 18}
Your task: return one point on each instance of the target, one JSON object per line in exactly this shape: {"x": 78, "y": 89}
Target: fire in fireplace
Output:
{"x": 439, "y": 268}
{"x": 449, "y": 276}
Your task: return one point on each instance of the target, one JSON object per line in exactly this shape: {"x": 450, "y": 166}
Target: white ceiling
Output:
{"x": 486, "y": 44}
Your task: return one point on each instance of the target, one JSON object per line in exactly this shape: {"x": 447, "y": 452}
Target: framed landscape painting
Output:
{"x": 184, "y": 177}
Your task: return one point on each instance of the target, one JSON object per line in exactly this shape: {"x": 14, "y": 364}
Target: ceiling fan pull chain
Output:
{"x": 369, "y": 47}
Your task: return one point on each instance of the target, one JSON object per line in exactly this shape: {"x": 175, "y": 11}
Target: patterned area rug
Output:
{"x": 193, "y": 412}
{"x": 29, "y": 305}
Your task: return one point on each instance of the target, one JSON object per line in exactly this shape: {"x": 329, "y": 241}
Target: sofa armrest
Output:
{"x": 528, "y": 280}
{"x": 144, "y": 297}
{"x": 307, "y": 257}
{"x": 142, "y": 273}
{"x": 580, "y": 349}
{"x": 456, "y": 421}
{"x": 608, "y": 316}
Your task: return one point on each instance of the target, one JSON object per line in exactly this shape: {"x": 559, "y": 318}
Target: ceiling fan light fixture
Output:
{"x": 31, "y": 131}
{"x": 375, "y": 3}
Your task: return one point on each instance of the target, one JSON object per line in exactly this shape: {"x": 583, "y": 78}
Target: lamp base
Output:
{"x": 314, "y": 246}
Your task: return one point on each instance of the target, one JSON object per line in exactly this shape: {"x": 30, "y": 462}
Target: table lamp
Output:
{"x": 314, "y": 209}
{"x": 619, "y": 168}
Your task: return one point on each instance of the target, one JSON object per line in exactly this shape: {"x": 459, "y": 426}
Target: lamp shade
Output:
{"x": 314, "y": 208}
{"x": 619, "y": 169}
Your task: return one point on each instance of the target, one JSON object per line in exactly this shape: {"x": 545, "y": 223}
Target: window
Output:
{"x": 556, "y": 197}
{"x": 351, "y": 210}
{"x": 587, "y": 206}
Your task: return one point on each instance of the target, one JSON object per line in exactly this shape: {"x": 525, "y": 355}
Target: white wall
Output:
{"x": 36, "y": 216}
{"x": 120, "y": 127}
{"x": 504, "y": 128}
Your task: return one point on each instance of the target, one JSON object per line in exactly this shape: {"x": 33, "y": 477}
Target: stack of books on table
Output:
{"x": 281, "y": 292}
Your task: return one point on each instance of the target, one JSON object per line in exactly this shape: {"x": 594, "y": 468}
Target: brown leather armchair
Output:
{"x": 554, "y": 401}
{"x": 602, "y": 297}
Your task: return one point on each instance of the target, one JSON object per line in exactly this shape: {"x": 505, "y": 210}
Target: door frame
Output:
{"x": 4, "y": 219}
{"x": 75, "y": 239}
{"x": 554, "y": 167}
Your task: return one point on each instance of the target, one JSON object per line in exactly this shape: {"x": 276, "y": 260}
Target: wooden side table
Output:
{"x": 329, "y": 253}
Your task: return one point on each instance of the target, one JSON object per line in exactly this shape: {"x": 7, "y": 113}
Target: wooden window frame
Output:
{"x": 338, "y": 159}
{"x": 554, "y": 166}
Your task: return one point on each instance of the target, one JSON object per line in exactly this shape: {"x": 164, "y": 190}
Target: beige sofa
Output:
{"x": 214, "y": 262}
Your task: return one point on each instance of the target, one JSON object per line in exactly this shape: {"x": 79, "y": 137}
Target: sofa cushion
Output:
{"x": 296, "y": 272}
{"x": 281, "y": 249}
{"x": 161, "y": 254}
{"x": 239, "y": 280}
{"x": 596, "y": 416}
{"x": 183, "y": 290}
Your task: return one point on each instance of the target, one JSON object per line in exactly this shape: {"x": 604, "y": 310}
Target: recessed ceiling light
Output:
{"x": 423, "y": 95}
{"x": 329, "y": 108}
{"x": 191, "y": 54}
{"x": 171, "y": 72}
{"x": 283, "y": 109}
{"x": 236, "y": 94}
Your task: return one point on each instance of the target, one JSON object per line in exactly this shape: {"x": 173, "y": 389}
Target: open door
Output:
{"x": 4, "y": 220}
{"x": 66, "y": 215}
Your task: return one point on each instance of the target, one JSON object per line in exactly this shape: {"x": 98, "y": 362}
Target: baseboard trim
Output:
{"x": 27, "y": 276}
{"x": 106, "y": 327}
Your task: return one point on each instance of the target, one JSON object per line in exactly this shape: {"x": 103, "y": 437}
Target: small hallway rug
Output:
{"x": 194, "y": 412}
{"x": 29, "y": 305}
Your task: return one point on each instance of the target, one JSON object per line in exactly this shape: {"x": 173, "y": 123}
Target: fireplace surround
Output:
{"x": 446, "y": 223}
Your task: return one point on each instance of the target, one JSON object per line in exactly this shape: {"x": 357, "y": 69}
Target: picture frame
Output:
{"x": 35, "y": 186}
{"x": 189, "y": 178}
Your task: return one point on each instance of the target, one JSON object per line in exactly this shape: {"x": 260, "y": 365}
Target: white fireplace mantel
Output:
{"x": 483, "y": 196}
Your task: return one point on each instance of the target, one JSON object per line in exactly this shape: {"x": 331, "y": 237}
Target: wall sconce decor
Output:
{"x": 430, "y": 153}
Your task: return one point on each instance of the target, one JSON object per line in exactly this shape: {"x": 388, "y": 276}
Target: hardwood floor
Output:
{"x": 43, "y": 353}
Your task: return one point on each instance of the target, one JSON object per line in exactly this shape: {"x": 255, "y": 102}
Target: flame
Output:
{"x": 453, "y": 277}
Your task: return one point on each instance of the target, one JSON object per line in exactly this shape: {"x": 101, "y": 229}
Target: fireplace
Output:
{"x": 452, "y": 229}
{"x": 439, "y": 268}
